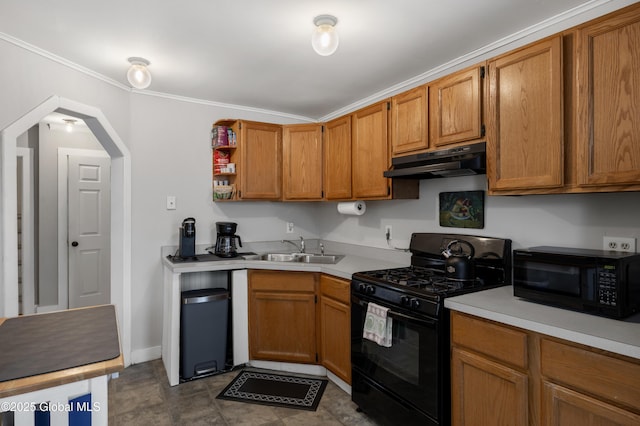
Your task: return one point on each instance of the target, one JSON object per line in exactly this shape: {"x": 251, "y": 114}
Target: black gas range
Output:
{"x": 408, "y": 382}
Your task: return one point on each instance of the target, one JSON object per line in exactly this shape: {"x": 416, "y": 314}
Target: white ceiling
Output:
{"x": 257, "y": 53}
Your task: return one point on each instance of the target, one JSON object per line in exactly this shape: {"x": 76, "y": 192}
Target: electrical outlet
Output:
{"x": 290, "y": 227}
{"x": 619, "y": 244}
{"x": 387, "y": 232}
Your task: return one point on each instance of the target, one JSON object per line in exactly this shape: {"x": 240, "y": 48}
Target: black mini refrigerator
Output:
{"x": 203, "y": 332}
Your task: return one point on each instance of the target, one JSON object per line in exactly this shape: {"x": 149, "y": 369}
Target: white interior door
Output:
{"x": 88, "y": 230}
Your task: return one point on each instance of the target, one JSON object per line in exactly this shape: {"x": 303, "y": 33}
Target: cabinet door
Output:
{"x": 409, "y": 123}
{"x": 484, "y": 392}
{"x": 337, "y": 159}
{"x": 370, "y": 151}
{"x": 609, "y": 101}
{"x": 335, "y": 325}
{"x": 302, "y": 162}
{"x": 563, "y": 406}
{"x": 282, "y": 316}
{"x": 455, "y": 107}
{"x": 525, "y": 145}
{"x": 261, "y": 152}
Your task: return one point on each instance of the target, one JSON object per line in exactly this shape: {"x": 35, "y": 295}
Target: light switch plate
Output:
{"x": 171, "y": 202}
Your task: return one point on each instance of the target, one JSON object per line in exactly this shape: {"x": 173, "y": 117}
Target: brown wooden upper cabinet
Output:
{"x": 609, "y": 101}
{"x": 337, "y": 159}
{"x": 261, "y": 154}
{"x": 409, "y": 123}
{"x": 455, "y": 107}
{"x": 370, "y": 152}
{"x": 525, "y": 142}
{"x": 302, "y": 161}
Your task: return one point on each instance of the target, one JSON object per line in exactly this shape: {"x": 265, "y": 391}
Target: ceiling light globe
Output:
{"x": 325, "y": 38}
{"x": 138, "y": 75}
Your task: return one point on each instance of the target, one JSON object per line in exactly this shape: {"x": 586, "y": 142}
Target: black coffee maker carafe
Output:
{"x": 226, "y": 239}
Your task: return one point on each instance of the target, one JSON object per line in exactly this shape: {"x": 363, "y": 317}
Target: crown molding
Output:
{"x": 222, "y": 105}
{"x": 476, "y": 55}
{"x": 72, "y": 65}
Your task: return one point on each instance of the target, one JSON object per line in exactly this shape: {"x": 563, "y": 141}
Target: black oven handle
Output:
{"x": 392, "y": 314}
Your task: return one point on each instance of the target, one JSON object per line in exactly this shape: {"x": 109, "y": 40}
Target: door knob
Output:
{"x": 74, "y": 244}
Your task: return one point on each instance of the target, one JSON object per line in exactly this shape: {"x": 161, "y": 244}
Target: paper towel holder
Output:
{"x": 356, "y": 208}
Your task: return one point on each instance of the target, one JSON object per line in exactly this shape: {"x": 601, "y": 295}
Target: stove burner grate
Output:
{"x": 428, "y": 280}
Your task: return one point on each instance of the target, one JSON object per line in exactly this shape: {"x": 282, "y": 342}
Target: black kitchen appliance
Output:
{"x": 449, "y": 162}
{"x": 604, "y": 283}
{"x": 187, "y": 243}
{"x": 226, "y": 239}
{"x": 408, "y": 383}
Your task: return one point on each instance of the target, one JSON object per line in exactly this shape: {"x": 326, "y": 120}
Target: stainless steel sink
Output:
{"x": 321, "y": 258}
{"x": 280, "y": 257}
{"x": 301, "y": 257}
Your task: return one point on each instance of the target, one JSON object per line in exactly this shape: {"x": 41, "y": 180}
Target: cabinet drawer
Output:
{"x": 598, "y": 374}
{"x": 335, "y": 288}
{"x": 488, "y": 338}
{"x": 283, "y": 281}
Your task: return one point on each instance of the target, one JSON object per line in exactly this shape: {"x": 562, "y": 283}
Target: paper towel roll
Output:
{"x": 356, "y": 208}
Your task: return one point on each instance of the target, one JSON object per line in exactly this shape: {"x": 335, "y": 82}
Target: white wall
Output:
{"x": 572, "y": 220}
{"x": 27, "y": 79}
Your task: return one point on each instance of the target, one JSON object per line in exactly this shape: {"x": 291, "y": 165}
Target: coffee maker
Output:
{"x": 226, "y": 239}
{"x": 187, "y": 244}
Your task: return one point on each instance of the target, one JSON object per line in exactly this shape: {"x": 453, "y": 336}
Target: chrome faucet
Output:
{"x": 301, "y": 248}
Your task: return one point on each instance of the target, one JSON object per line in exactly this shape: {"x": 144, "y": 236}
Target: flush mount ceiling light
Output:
{"x": 325, "y": 37}
{"x": 138, "y": 74}
{"x": 69, "y": 123}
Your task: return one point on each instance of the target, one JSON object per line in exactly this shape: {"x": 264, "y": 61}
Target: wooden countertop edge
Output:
{"x": 57, "y": 378}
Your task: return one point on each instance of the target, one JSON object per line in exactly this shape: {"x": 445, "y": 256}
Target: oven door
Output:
{"x": 411, "y": 368}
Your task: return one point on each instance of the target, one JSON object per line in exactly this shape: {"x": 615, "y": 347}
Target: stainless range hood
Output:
{"x": 459, "y": 161}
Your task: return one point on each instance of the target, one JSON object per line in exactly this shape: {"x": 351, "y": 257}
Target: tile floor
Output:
{"x": 142, "y": 396}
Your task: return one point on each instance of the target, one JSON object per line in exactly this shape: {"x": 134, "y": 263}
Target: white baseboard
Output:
{"x": 339, "y": 382}
{"x": 147, "y": 354}
{"x": 312, "y": 370}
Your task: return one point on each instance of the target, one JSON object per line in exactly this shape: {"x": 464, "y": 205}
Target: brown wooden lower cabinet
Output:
{"x": 286, "y": 326}
{"x": 563, "y": 406}
{"x": 335, "y": 326}
{"x": 486, "y": 392}
{"x": 556, "y": 383}
{"x": 282, "y": 316}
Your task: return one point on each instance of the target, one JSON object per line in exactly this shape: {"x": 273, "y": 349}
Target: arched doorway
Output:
{"x": 120, "y": 208}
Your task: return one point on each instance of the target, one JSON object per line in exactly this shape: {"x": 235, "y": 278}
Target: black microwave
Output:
{"x": 596, "y": 282}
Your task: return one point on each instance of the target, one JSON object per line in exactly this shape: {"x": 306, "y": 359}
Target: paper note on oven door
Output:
{"x": 378, "y": 326}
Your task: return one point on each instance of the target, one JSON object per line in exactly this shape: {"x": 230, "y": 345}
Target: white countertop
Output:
{"x": 356, "y": 259}
{"x": 499, "y": 304}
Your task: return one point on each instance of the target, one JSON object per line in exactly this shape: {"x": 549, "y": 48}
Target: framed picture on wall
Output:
{"x": 462, "y": 209}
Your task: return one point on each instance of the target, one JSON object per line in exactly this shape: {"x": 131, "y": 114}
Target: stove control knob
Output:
{"x": 405, "y": 301}
{"x": 415, "y": 303}
{"x": 371, "y": 289}
{"x": 361, "y": 287}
